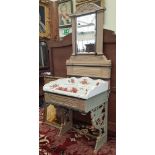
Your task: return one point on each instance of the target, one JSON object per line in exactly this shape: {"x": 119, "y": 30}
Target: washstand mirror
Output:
{"x": 88, "y": 57}
{"x": 86, "y": 34}
{"x": 87, "y": 30}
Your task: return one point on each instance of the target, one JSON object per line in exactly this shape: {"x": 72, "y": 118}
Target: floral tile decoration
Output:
{"x": 83, "y": 87}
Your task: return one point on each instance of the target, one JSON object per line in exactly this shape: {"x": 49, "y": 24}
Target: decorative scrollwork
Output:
{"x": 87, "y": 8}
{"x": 98, "y": 116}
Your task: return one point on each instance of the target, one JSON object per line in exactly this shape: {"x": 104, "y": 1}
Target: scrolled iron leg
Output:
{"x": 99, "y": 142}
{"x": 99, "y": 121}
{"x": 66, "y": 120}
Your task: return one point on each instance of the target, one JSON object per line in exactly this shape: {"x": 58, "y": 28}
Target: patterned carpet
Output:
{"x": 70, "y": 143}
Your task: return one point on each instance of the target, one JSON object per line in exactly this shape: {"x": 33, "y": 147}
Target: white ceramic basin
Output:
{"x": 83, "y": 87}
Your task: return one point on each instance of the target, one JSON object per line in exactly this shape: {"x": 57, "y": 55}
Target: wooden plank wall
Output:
{"x": 60, "y": 51}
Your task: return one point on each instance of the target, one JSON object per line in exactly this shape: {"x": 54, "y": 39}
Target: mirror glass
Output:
{"x": 86, "y": 33}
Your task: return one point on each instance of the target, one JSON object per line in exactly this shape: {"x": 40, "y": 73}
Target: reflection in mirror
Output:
{"x": 86, "y": 34}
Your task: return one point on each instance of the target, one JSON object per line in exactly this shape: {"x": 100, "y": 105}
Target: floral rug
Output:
{"x": 71, "y": 143}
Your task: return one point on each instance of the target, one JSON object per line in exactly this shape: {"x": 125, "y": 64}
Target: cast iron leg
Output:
{"x": 66, "y": 120}
{"x": 99, "y": 117}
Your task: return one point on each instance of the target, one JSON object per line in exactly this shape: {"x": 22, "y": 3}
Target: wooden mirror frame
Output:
{"x": 84, "y": 10}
